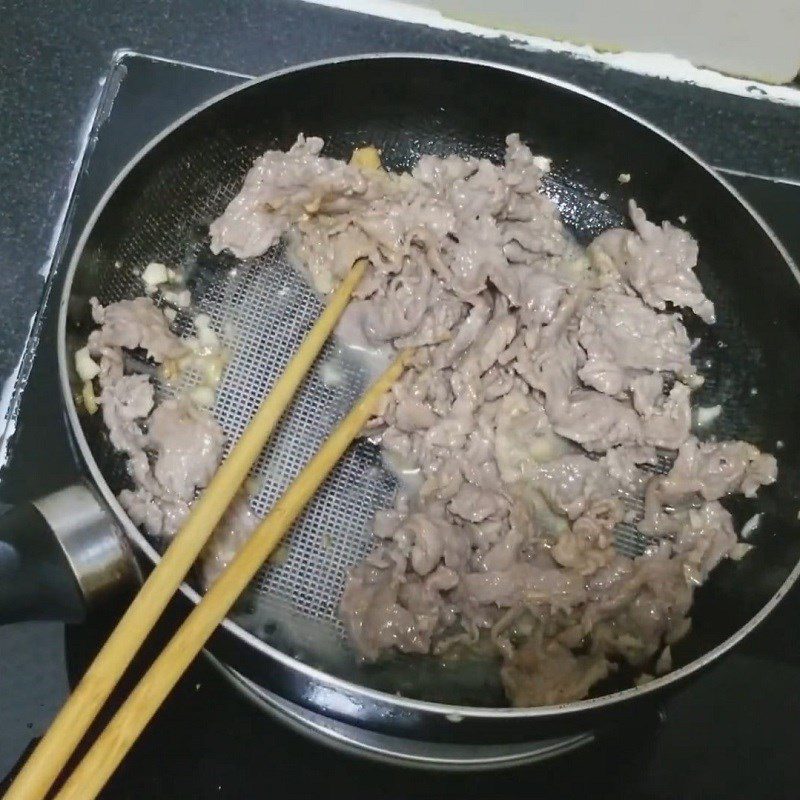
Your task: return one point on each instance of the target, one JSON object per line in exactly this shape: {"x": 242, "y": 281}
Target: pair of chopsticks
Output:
{"x": 68, "y": 729}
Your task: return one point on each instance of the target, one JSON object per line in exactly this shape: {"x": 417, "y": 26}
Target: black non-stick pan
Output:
{"x": 286, "y": 635}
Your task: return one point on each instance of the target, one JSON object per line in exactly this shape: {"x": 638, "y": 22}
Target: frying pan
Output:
{"x": 74, "y": 546}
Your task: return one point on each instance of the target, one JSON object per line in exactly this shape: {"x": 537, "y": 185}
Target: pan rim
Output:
{"x": 451, "y": 712}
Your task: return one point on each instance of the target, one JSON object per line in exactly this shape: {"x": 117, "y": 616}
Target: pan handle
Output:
{"x": 59, "y": 555}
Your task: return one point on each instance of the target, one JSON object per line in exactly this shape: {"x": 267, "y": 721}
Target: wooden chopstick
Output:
{"x": 114, "y": 742}
{"x": 72, "y": 722}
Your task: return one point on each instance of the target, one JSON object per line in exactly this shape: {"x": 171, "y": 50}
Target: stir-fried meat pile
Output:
{"x": 545, "y": 378}
{"x": 174, "y": 446}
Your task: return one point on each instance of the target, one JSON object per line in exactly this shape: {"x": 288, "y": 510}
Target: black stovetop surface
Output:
{"x": 733, "y": 732}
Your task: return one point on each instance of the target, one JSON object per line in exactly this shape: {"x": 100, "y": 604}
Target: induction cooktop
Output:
{"x": 732, "y": 732}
